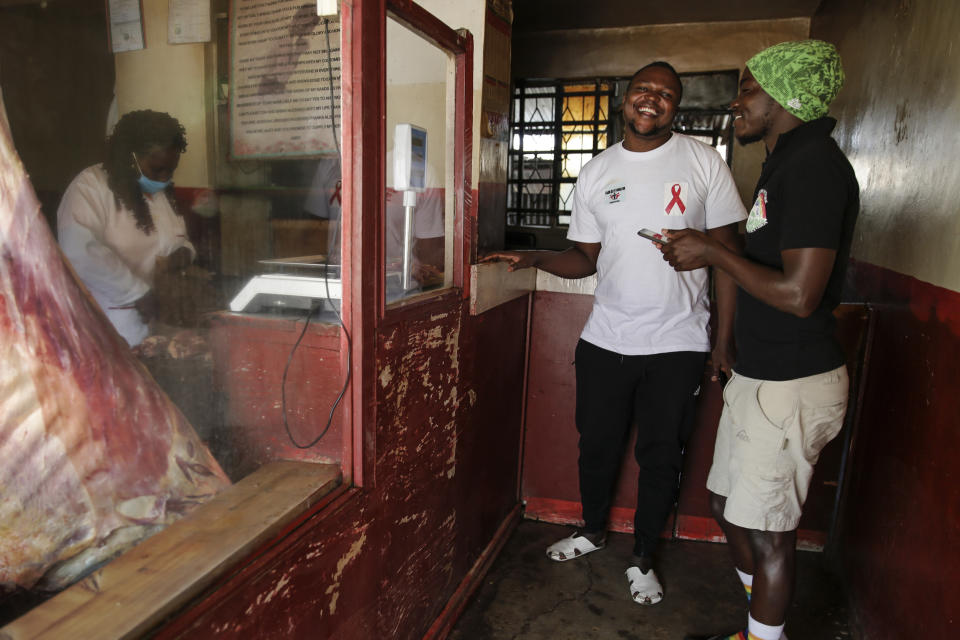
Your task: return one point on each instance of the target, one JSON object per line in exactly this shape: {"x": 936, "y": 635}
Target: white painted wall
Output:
{"x": 470, "y": 15}
{"x": 170, "y": 78}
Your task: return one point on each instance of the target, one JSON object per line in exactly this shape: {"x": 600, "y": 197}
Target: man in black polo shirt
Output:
{"x": 787, "y": 395}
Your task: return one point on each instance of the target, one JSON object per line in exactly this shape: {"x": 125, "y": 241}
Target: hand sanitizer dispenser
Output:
{"x": 409, "y": 177}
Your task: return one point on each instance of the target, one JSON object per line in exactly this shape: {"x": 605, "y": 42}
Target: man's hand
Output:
{"x": 579, "y": 261}
{"x": 687, "y": 250}
{"x": 146, "y": 306}
{"x": 426, "y": 274}
{"x": 514, "y": 259}
{"x": 722, "y": 358}
{"x": 176, "y": 261}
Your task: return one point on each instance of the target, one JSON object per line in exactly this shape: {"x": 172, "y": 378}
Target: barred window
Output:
{"x": 557, "y": 126}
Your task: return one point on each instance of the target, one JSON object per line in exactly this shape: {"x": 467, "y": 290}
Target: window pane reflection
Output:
{"x": 418, "y": 198}
{"x": 165, "y": 384}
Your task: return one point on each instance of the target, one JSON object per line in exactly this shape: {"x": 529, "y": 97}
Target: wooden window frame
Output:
{"x": 459, "y": 45}
{"x": 275, "y": 502}
{"x": 364, "y": 180}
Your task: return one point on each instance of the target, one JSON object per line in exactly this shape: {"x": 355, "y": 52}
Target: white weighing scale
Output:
{"x": 308, "y": 280}
{"x": 315, "y": 282}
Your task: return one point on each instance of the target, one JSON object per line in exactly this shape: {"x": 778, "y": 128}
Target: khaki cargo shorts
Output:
{"x": 770, "y": 436}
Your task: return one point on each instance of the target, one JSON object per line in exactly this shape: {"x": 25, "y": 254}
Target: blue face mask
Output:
{"x": 146, "y": 184}
{"x": 151, "y": 186}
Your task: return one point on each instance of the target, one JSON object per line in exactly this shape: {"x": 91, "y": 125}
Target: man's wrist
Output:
{"x": 711, "y": 247}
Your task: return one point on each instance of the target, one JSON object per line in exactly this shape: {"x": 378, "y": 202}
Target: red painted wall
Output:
{"x": 549, "y": 481}
{"x": 898, "y": 543}
{"x": 436, "y": 406}
{"x": 250, "y": 354}
{"x": 900, "y": 527}
{"x": 383, "y": 561}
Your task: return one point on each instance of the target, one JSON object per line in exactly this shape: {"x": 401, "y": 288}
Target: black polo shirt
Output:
{"x": 807, "y": 196}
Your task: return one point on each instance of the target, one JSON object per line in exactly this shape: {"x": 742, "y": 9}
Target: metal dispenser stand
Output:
{"x": 409, "y": 176}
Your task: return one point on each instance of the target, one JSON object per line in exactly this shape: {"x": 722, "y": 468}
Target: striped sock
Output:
{"x": 743, "y": 635}
{"x": 760, "y": 631}
{"x": 747, "y": 581}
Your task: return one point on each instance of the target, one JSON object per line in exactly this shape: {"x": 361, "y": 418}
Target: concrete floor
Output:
{"x": 527, "y": 596}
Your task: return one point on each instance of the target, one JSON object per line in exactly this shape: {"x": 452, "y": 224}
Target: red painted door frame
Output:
{"x": 364, "y": 157}
{"x": 459, "y": 44}
{"x": 363, "y": 93}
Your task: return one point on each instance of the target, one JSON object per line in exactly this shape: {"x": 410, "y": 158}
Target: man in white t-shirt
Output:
{"x": 641, "y": 356}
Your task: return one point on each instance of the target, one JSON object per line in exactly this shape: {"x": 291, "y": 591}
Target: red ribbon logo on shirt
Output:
{"x": 675, "y": 191}
{"x": 336, "y": 193}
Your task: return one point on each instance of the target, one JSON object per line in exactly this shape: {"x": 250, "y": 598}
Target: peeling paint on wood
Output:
{"x": 449, "y": 395}
{"x": 352, "y": 553}
{"x": 385, "y": 376}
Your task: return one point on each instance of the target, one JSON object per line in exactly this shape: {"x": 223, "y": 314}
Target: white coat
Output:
{"x": 113, "y": 258}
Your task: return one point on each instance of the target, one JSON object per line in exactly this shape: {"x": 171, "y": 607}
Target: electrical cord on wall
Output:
{"x": 283, "y": 384}
{"x": 315, "y": 305}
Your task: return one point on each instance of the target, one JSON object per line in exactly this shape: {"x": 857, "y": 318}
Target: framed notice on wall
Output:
{"x": 125, "y": 18}
{"x": 284, "y": 80}
{"x": 188, "y": 21}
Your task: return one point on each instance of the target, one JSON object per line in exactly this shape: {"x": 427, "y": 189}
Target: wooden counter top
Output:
{"x": 131, "y": 595}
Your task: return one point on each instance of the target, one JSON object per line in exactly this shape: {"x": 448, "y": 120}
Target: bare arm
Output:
{"x": 724, "y": 356}
{"x": 797, "y": 289}
{"x": 579, "y": 261}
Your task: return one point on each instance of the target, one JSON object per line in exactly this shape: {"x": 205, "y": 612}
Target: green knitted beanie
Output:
{"x": 803, "y": 76}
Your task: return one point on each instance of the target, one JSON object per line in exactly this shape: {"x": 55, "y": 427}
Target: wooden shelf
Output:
{"x": 138, "y": 590}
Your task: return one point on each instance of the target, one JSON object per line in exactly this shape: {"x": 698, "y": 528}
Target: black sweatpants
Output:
{"x": 657, "y": 393}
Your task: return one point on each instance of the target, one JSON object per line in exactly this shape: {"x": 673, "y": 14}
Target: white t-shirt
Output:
{"x": 641, "y": 305}
{"x": 113, "y": 258}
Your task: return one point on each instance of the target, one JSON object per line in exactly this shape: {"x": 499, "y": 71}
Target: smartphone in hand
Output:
{"x": 653, "y": 236}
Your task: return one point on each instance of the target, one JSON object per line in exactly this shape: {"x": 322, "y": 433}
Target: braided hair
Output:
{"x": 139, "y": 132}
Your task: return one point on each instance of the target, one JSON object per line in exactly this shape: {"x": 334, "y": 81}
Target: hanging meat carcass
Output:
{"x": 93, "y": 455}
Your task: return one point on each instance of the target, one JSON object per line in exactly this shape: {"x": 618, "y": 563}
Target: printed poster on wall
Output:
{"x": 188, "y": 21}
{"x": 282, "y": 60}
{"x": 126, "y": 25}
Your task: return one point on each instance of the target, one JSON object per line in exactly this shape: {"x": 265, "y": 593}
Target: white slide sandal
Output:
{"x": 571, "y": 548}
{"x": 644, "y": 589}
